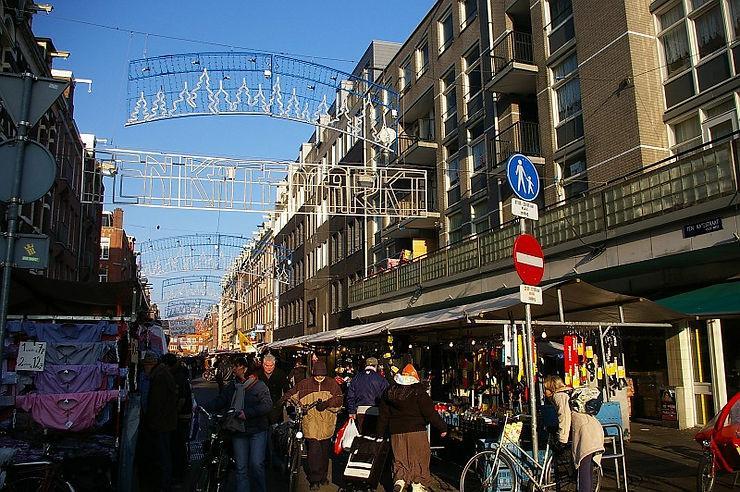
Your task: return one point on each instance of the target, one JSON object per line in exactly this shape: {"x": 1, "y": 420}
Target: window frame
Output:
{"x": 444, "y": 45}
{"x": 447, "y": 90}
{"x": 406, "y": 74}
{"x": 105, "y": 248}
{"x": 467, "y": 70}
{"x": 467, "y": 18}
{"x": 564, "y": 183}
{"x": 421, "y": 67}
{"x": 559, "y": 84}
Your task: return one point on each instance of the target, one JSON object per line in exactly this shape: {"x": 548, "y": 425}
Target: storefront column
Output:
{"x": 681, "y": 372}
{"x": 717, "y": 363}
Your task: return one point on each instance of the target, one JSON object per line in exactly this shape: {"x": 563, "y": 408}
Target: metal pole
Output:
{"x": 528, "y": 356}
{"x": 15, "y": 202}
{"x": 603, "y": 364}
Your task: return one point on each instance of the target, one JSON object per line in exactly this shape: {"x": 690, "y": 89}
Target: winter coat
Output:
{"x": 277, "y": 383}
{"x": 586, "y": 432}
{"x": 184, "y": 392}
{"x": 408, "y": 408}
{"x": 161, "y": 410}
{"x": 365, "y": 389}
{"x": 318, "y": 425}
{"x": 257, "y": 405}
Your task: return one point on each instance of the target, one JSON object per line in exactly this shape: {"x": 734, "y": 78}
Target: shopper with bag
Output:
{"x": 582, "y": 429}
{"x": 405, "y": 410}
{"x": 363, "y": 397}
{"x": 320, "y": 421}
{"x": 250, "y": 399}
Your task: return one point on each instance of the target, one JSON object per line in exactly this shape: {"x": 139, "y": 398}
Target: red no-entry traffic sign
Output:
{"x": 529, "y": 260}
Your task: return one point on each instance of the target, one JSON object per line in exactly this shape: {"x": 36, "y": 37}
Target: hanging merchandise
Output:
{"x": 621, "y": 371}
{"x": 520, "y": 357}
{"x": 568, "y": 359}
{"x": 509, "y": 351}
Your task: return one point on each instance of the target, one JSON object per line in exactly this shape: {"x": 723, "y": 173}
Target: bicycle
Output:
{"x": 34, "y": 476}
{"x": 212, "y": 476}
{"x": 501, "y": 468}
{"x": 296, "y": 448}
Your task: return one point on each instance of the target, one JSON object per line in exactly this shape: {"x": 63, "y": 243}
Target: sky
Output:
{"x": 103, "y": 35}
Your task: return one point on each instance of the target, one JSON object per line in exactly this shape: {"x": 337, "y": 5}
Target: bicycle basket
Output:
{"x": 512, "y": 432}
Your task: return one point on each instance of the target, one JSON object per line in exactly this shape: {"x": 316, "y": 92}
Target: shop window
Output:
{"x": 446, "y": 34}
{"x": 468, "y": 12}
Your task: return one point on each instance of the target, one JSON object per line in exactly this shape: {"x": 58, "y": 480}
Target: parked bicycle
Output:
{"x": 506, "y": 466}
{"x": 216, "y": 460}
{"x": 45, "y": 475}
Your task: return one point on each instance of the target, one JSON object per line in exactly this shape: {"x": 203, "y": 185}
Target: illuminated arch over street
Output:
{"x": 231, "y": 83}
{"x": 195, "y": 252}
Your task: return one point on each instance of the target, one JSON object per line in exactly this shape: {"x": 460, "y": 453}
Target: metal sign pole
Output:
{"x": 528, "y": 356}
{"x": 15, "y": 201}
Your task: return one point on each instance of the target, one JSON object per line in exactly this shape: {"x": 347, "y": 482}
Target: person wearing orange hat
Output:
{"x": 405, "y": 410}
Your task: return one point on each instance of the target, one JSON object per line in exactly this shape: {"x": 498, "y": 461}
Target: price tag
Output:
{"x": 31, "y": 356}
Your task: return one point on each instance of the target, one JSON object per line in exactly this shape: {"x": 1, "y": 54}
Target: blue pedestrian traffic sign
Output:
{"x": 523, "y": 177}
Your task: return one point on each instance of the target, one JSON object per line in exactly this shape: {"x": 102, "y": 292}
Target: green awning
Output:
{"x": 715, "y": 300}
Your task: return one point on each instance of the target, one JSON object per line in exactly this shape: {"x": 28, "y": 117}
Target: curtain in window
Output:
{"x": 559, "y": 10}
{"x": 676, "y": 49}
{"x": 671, "y": 16}
{"x": 710, "y": 31}
{"x": 569, "y": 99}
{"x": 687, "y": 130}
{"x": 566, "y": 67}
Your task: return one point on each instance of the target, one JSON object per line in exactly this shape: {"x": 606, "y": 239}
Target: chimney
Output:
{"x": 118, "y": 218}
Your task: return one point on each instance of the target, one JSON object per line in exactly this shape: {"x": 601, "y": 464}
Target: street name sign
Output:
{"x": 529, "y": 260}
{"x": 523, "y": 177}
{"x": 528, "y": 210}
{"x": 529, "y": 294}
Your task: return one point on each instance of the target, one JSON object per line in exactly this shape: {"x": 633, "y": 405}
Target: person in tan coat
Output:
{"x": 320, "y": 422}
{"x": 583, "y": 430}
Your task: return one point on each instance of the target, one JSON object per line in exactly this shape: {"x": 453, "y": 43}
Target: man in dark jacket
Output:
{"x": 277, "y": 383}
{"x": 406, "y": 409}
{"x": 250, "y": 399}
{"x": 181, "y": 373}
{"x": 363, "y": 396}
{"x": 160, "y": 418}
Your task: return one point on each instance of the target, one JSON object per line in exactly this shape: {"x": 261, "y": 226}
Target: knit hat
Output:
{"x": 371, "y": 361}
{"x": 319, "y": 368}
{"x": 409, "y": 370}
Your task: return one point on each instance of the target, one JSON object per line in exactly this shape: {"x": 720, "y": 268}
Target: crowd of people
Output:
{"x": 382, "y": 404}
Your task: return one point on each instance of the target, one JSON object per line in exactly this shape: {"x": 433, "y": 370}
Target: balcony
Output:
{"x": 663, "y": 193}
{"x": 523, "y": 137}
{"x": 514, "y": 70}
{"x": 418, "y": 146}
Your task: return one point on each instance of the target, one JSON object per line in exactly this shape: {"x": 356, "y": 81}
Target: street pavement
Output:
{"x": 658, "y": 459}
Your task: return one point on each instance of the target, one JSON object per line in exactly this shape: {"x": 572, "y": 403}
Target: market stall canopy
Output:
{"x": 716, "y": 300}
{"x": 581, "y": 302}
{"x": 38, "y": 295}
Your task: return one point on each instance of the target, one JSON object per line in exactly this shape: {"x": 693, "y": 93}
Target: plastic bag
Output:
{"x": 349, "y": 435}
{"x": 338, "y": 441}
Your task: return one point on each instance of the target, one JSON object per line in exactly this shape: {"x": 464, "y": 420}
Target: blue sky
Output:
{"x": 336, "y": 29}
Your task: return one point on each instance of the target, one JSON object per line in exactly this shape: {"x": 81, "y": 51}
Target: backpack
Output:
{"x": 586, "y": 400}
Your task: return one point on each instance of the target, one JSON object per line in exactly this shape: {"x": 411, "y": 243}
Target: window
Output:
{"x": 104, "y": 248}
{"x": 710, "y": 31}
{"x": 406, "y": 74}
{"x": 479, "y": 216}
{"x": 478, "y": 152}
{"x": 468, "y": 11}
{"x": 107, "y": 219}
{"x": 452, "y": 164}
{"x": 473, "y": 82}
{"x": 422, "y": 59}
{"x": 686, "y": 134}
{"x": 454, "y": 224}
{"x": 675, "y": 40}
{"x": 311, "y": 315}
{"x": 333, "y": 295}
{"x": 572, "y": 177}
{"x": 561, "y": 25}
{"x": 735, "y": 17}
{"x": 449, "y": 117}
{"x": 446, "y": 34}
{"x": 567, "y": 88}
{"x": 103, "y": 274}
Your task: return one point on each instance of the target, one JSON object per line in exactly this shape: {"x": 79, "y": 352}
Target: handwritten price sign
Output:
{"x": 31, "y": 356}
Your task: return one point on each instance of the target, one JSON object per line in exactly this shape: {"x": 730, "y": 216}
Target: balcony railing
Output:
{"x": 679, "y": 182}
{"x": 514, "y": 47}
{"x": 523, "y": 137}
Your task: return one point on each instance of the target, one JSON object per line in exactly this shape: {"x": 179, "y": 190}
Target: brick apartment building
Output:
{"x": 630, "y": 110}
{"x": 117, "y": 250}
{"x": 73, "y": 227}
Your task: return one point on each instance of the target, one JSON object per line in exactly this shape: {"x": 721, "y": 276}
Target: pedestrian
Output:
{"x": 298, "y": 373}
{"x": 363, "y": 397}
{"x": 320, "y": 421}
{"x": 405, "y": 410}
{"x": 250, "y": 399}
{"x": 582, "y": 430}
{"x": 160, "y": 418}
{"x": 277, "y": 383}
{"x": 180, "y": 460}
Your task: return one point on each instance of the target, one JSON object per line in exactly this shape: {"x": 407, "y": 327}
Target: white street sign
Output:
{"x": 528, "y": 210}
{"x": 529, "y": 294}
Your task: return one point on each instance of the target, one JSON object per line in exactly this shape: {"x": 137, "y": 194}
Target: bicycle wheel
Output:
{"x": 38, "y": 484}
{"x": 295, "y": 466}
{"x": 484, "y": 472}
{"x": 706, "y": 473}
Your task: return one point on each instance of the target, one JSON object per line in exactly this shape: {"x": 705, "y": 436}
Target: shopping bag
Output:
{"x": 338, "y": 440}
{"x": 349, "y": 435}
